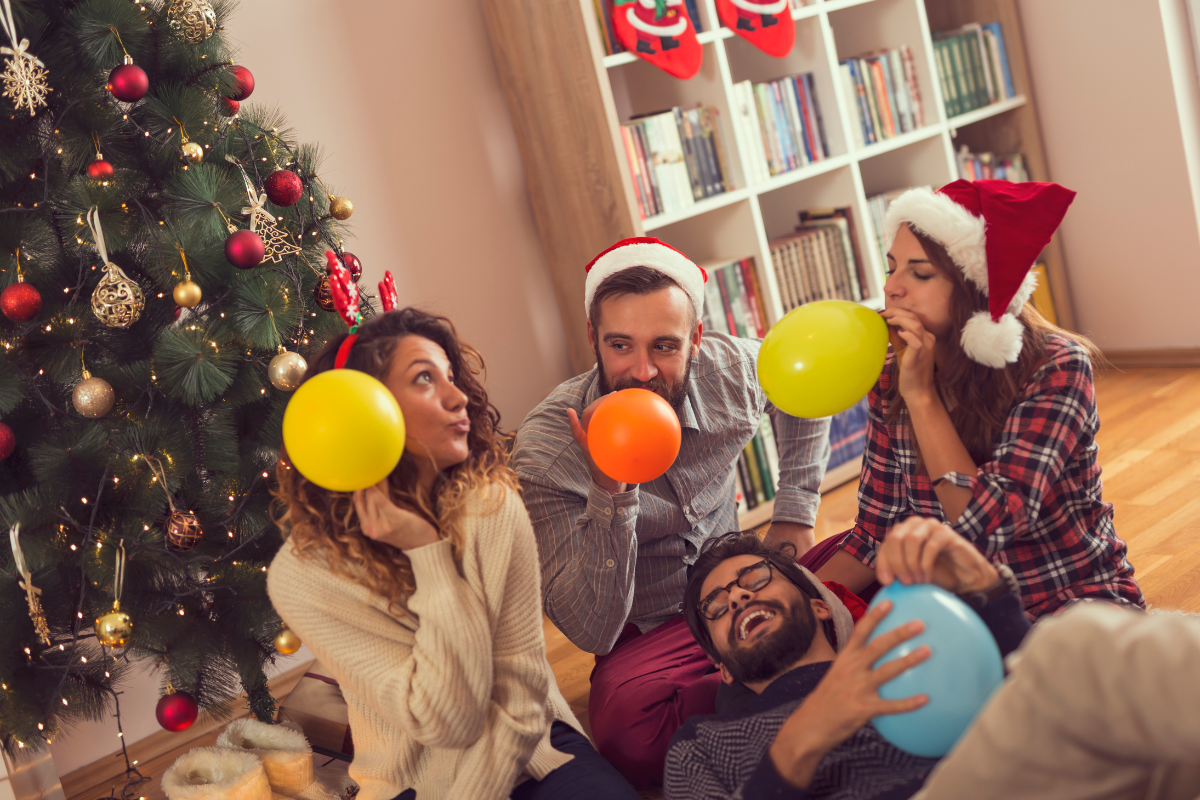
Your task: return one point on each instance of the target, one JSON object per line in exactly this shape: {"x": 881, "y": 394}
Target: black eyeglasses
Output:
{"x": 751, "y": 578}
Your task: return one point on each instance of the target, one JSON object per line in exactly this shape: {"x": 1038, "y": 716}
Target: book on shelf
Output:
{"x": 878, "y": 206}
{"x": 885, "y": 95}
{"x": 675, "y": 158}
{"x": 989, "y": 166}
{"x": 820, "y": 260}
{"x": 1042, "y": 298}
{"x": 782, "y": 124}
{"x": 733, "y": 299}
{"x": 972, "y": 65}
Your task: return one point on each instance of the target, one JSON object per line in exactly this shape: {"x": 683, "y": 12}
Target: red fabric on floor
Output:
{"x": 645, "y": 688}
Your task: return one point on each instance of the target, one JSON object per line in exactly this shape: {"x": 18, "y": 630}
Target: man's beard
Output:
{"x": 774, "y": 652}
{"x": 674, "y": 394}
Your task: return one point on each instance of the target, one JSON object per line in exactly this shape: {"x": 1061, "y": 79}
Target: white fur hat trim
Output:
{"x": 992, "y": 344}
{"x": 285, "y": 753}
{"x": 843, "y": 623}
{"x": 657, "y": 256}
{"x": 216, "y": 773}
{"x": 949, "y": 224}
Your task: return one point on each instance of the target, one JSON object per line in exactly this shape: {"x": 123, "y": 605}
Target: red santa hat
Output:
{"x": 646, "y": 251}
{"x": 993, "y": 231}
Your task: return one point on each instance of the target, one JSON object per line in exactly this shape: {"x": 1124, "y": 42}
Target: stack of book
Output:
{"x": 608, "y": 35}
{"x": 989, "y": 166}
{"x": 675, "y": 158}
{"x": 972, "y": 67}
{"x": 848, "y": 434}
{"x": 878, "y": 205}
{"x": 734, "y": 301}
{"x": 820, "y": 261}
{"x": 888, "y": 99}
{"x": 758, "y": 468}
{"x": 782, "y": 123}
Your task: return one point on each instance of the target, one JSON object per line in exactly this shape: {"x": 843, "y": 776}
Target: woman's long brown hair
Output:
{"x": 321, "y": 523}
{"x": 978, "y": 397}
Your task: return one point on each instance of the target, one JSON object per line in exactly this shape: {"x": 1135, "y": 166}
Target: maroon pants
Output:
{"x": 645, "y": 688}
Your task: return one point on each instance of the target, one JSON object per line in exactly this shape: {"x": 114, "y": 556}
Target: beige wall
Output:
{"x": 1111, "y": 129}
{"x": 404, "y": 99}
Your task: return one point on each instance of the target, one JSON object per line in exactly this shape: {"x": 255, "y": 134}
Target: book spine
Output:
{"x": 679, "y": 168}
{"x": 914, "y": 86}
{"x": 860, "y": 92}
{"x": 962, "y": 68}
{"x": 739, "y": 492}
{"x": 807, "y": 127}
{"x": 1003, "y": 53}
{"x": 757, "y": 140}
{"x": 754, "y": 496}
{"x": 637, "y": 133}
{"x": 795, "y": 117}
{"x": 895, "y": 62}
{"x": 782, "y": 126}
{"x": 713, "y": 127}
{"x": 851, "y": 94}
{"x": 737, "y": 282}
{"x": 814, "y": 107}
{"x": 727, "y": 303}
{"x": 766, "y": 118}
{"x": 754, "y": 296}
{"x": 872, "y": 99}
{"x": 883, "y": 97}
{"x": 714, "y": 306}
{"x": 634, "y": 171}
{"x": 764, "y": 470}
{"x": 985, "y": 64}
{"x": 800, "y": 270}
{"x": 939, "y": 58}
{"x": 975, "y": 62}
{"x": 687, "y": 139}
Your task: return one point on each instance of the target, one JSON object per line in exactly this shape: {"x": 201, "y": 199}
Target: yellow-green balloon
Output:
{"x": 343, "y": 430}
{"x": 822, "y": 357}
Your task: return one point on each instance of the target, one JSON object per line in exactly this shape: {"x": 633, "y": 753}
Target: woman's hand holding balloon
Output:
{"x": 916, "y": 356}
{"x": 381, "y": 520}
{"x": 923, "y": 550}
{"x": 846, "y": 698}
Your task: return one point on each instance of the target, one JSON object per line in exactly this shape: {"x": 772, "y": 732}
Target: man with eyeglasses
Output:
{"x": 801, "y": 730}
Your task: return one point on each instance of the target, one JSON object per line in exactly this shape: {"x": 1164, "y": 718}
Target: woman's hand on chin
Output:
{"x": 381, "y": 520}
{"x": 916, "y": 384}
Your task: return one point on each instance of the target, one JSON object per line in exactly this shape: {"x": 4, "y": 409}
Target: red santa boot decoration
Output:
{"x": 660, "y": 32}
{"x": 766, "y": 24}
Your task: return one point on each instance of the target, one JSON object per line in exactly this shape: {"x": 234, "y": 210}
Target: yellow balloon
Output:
{"x": 822, "y": 357}
{"x": 343, "y": 430}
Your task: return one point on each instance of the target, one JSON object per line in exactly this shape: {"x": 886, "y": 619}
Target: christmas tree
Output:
{"x": 162, "y": 265}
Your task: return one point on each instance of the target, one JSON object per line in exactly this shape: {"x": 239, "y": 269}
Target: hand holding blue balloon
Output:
{"x": 964, "y": 667}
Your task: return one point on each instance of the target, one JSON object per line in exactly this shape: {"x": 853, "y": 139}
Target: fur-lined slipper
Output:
{"x": 216, "y": 773}
{"x": 287, "y": 757}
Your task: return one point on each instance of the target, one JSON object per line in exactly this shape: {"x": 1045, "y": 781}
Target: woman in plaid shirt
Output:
{"x": 985, "y": 414}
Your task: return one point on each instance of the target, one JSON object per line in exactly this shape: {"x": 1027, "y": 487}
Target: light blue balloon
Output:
{"x": 962, "y": 671}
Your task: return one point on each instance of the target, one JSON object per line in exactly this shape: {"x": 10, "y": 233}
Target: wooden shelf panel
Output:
{"x": 980, "y": 114}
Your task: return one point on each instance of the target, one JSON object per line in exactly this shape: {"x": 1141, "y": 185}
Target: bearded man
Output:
{"x": 614, "y": 557}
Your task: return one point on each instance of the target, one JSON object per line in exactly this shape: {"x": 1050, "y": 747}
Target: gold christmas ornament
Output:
{"x": 192, "y": 152}
{"x": 183, "y": 530}
{"x": 323, "y": 294}
{"x": 287, "y": 370}
{"x": 117, "y": 300}
{"x": 187, "y": 293}
{"x": 193, "y": 20}
{"x": 287, "y": 642}
{"x": 93, "y": 397}
{"x": 340, "y": 207}
{"x": 114, "y": 628}
{"x": 24, "y": 76}
{"x": 26, "y": 582}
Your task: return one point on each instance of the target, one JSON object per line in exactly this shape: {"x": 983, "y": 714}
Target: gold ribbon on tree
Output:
{"x": 31, "y": 592}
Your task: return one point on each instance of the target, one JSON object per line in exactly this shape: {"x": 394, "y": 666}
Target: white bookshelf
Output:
{"x": 746, "y": 218}
{"x": 568, "y": 99}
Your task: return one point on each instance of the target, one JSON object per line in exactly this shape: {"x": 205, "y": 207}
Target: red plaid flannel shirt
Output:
{"x": 1036, "y": 504}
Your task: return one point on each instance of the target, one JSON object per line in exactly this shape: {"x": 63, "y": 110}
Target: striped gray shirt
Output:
{"x": 611, "y": 559}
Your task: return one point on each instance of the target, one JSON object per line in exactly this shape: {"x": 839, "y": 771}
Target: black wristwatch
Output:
{"x": 1007, "y": 584}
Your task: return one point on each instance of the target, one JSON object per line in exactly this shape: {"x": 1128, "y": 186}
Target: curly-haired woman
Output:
{"x": 421, "y": 594}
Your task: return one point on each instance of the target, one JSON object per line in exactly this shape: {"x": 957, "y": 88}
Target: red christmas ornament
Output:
{"x": 353, "y": 265}
{"x": 178, "y": 311}
{"x": 20, "y": 302}
{"x": 283, "y": 187}
{"x": 100, "y": 169}
{"x": 128, "y": 82}
{"x": 245, "y": 249}
{"x": 8, "y": 441}
{"x": 245, "y": 83}
{"x": 229, "y": 108}
{"x": 176, "y": 711}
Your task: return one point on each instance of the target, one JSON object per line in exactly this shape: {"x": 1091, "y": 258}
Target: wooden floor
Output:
{"x": 1149, "y": 449}
{"x": 1150, "y": 453}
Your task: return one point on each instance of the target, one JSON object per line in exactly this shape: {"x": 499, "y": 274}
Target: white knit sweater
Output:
{"x": 456, "y": 697}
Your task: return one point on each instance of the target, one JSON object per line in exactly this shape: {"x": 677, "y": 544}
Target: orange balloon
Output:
{"x": 634, "y": 436}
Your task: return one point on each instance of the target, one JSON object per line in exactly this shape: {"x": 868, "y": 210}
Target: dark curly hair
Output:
{"x": 730, "y": 545}
{"x": 323, "y": 523}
